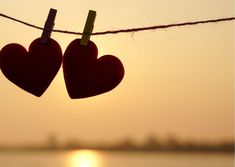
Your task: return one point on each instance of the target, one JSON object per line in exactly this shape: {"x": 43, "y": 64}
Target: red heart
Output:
{"x": 85, "y": 75}
{"x": 34, "y": 70}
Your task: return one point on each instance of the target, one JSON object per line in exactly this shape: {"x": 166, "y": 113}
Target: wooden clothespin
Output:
{"x": 49, "y": 24}
{"x": 88, "y": 28}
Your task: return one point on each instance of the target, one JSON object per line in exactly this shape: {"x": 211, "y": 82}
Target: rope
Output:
{"x": 126, "y": 30}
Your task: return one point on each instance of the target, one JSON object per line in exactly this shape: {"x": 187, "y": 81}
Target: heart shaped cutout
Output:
{"x": 87, "y": 76}
{"x": 34, "y": 70}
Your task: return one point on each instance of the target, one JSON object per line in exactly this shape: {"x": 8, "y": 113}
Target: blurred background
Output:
{"x": 178, "y": 88}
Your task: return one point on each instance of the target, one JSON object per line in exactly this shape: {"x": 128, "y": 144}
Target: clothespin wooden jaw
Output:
{"x": 88, "y": 28}
{"x": 49, "y": 24}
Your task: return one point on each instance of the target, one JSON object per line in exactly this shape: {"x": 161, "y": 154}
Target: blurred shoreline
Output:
{"x": 151, "y": 144}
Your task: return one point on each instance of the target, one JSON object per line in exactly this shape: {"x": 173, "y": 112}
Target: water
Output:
{"x": 90, "y": 158}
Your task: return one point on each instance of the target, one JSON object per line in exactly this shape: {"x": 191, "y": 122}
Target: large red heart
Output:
{"x": 85, "y": 75}
{"x": 34, "y": 70}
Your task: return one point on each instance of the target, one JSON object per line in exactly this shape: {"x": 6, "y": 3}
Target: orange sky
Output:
{"x": 178, "y": 81}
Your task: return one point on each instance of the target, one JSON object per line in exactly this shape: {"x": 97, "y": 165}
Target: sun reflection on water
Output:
{"x": 84, "y": 158}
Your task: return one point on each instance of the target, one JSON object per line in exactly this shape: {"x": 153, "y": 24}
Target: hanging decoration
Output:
{"x": 84, "y": 74}
{"x": 33, "y": 70}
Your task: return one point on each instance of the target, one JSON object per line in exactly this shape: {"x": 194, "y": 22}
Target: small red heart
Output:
{"x": 34, "y": 70}
{"x": 85, "y": 75}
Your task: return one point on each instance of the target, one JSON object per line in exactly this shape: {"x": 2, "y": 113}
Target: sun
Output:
{"x": 84, "y": 158}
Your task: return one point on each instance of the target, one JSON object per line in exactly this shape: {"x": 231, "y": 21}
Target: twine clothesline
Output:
{"x": 126, "y": 30}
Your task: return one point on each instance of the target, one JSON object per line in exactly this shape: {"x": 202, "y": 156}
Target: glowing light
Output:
{"x": 84, "y": 158}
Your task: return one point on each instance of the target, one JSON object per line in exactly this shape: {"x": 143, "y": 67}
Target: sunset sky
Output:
{"x": 178, "y": 81}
